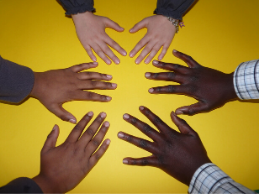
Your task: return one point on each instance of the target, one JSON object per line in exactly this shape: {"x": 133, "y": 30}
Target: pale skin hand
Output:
{"x": 55, "y": 87}
{"x": 160, "y": 33}
{"x": 65, "y": 166}
{"x": 90, "y": 30}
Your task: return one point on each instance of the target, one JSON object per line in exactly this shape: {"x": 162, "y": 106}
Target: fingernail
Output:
{"x": 131, "y": 55}
{"x": 117, "y": 61}
{"x": 90, "y": 114}
{"x": 151, "y": 90}
{"x": 155, "y": 62}
{"x": 121, "y": 135}
{"x": 147, "y": 74}
{"x": 125, "y": 161}
{"x": 125, "y": 116}
{"x": 130, "y": 30}
{"x": 146, "y": 62}
{"x": 108, "y": 98}
{"x": 114, "y": 85}
{"x": 55, "y": 128}
{"x": 72, "y": 121}
{"x": 178, "y": 112}
{"x": 141, "y": 107}
{"x": 109, "y": 76}
{"x": 95, "y": 63}
{"x": 137, "y": 61}
{"x": 108, "y": 62}
{"x": 94, "y": 59}
{"x": 159, "y": 58}
{"x": 174, "y": 51}
{"x": 106, "y": 124}
{"x": 108, "y": 142}
{"x": 103, "y": 115}
{"x": 124, "y": 53}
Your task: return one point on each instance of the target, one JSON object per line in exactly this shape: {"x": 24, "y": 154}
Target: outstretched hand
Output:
{"x": 55, "y": 87}
{"x": 160, "y": 33}
{"x": 210, "y": 87}
{"x": 178, "y": 154}
{"x": 65, "y": 166}
{"x": 90, "y": 30}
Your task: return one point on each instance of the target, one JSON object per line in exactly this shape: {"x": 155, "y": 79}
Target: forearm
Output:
{"x": 77, "y": 6}
{"x": 173, "y": 8}
{"x": 16, "y": 81}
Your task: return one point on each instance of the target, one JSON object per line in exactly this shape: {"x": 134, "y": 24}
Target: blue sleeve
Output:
{"x": 77, "y": 6}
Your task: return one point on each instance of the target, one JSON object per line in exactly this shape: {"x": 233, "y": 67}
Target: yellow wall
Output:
{"x": 218, "y": 34}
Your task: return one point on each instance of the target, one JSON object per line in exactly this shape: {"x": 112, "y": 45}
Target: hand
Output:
{"x": 90, "y": 30}
{"x": 65, "y": 166}
{"x": 178, "y": 154}
{"x": 160, "y": 33}
{"x": 55, "y": 87}
{"x": 210, "y": 87}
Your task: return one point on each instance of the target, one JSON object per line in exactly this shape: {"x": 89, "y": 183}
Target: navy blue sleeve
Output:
{"x": 16, "y": 81}
{"x": 77, "y": 6}
{"x": 173, "y": 8}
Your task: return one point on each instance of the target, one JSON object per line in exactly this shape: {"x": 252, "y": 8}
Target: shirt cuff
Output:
{"x": 246, "y": 80}
{"x": 77, "y": 6}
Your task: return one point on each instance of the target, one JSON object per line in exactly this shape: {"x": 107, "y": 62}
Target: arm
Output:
{"x": 160, "y": 31}
{"x": 180, "y": 154}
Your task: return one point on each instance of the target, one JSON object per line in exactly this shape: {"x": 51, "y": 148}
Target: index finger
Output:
{"x": 186, "y": 58}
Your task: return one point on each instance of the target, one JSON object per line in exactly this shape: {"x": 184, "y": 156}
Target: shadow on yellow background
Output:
{"x": 218, "y": 34}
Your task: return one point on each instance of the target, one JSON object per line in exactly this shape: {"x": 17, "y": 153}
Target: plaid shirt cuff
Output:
{"x": 246, "y": 80}
{"x": 211, "y": 179}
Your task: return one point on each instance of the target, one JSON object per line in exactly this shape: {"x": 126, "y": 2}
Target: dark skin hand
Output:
{"x": 178, "y": 154}
{"x": 211, "y": 88}
{"x": 65, "y": 166}
{"x": 55, "y": 87}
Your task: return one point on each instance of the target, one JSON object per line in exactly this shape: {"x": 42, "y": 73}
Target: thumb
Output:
{"x": 138, "y": 26}
{"x": 111, "y": 24}
{"x": 182, "y": 125}
{"x": 60, "y": 112}
{"x": 192, "y": 109}
{"x": 51, "y": 139}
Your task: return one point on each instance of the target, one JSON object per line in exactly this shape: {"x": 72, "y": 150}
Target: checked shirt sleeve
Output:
{"x": 211, "y": 179}
{"x": 246, "y": 80}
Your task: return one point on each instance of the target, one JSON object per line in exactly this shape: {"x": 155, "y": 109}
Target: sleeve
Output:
{"x": 173, "y": 8}
{"x": 211, "y": 179}
{"x": 77, "y": 6}
{"x": 246, "y": 80}
{"x": 16, "y": 81}
{"x": 21, "y": 185}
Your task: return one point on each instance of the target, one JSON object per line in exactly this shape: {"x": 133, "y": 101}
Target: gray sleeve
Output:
{"x": 16, "y": 81}
{"x": 173, "y": 8}
{"x": 21, "y": 185}
{"x": 77, "y": 6}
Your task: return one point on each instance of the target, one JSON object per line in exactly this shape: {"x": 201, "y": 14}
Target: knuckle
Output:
{"x": 93, "y": 83}
{"x": 155, "y": 75}
{"x": 90, "y": 132}
{"x": 144, "y": 162}
{"x": 143, "y": 143}
{"x": 170, "y": 75}
{"x": 89, "y": 95}
{"x": 158, "y": 121}
{"x": 171, "y": 89}
{"x": 96, "y": 143}
{"x": 128, "y": 138}
{"x": 161, "y": 160}
{"x": 146, "y": 128}
{"x": 97, "y": 156}
{"x": 133, "y": 120}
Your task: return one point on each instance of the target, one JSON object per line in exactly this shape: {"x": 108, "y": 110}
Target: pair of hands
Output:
{"x": 90, "y": 30}
{"x": 179, "y": 154}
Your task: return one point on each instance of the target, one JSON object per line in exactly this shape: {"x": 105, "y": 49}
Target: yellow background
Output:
{"x": 218, "y": 34}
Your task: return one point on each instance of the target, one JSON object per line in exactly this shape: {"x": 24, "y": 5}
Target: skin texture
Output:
{"x": 90, "y": 30}
{"x": 160, "y": 33}
{"x": 211, "y": 88}
{"x": 178, "y": 154}
{"x": 55, "y": 87}
{"x": 65, "y": 166}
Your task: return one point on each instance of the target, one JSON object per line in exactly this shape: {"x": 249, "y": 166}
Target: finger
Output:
{"x": 90, "y": 96}
{"x": 51, "y": 139}
{"x": 141, "y": 143}
{"x": 94, "y": 75}
{"x": 166, "y": 76}
{"x": 143, "y": 127}
{"x": 172, "y": 89}
{"x": 186, "y": 58}
{"x": 161, "y": 126}
{"x": 90, "y": 52}
{"x": 152, "y": 53}
{"x": 139, "y": 46}
{"x": 145, "y": 51}
{"x": 146, "y": 161}
{"x": 60, "y": 112}
{"x": 115, "y": 45}
{"x": 111, "y": 24}
{"x": 163, "y": 52}
{"x": 78, "y": 129}
{"x": 192, "y": 109}
{"x": 182, "y": 125}
{"x": 99, "y": 153}
{"x": 97, "y": 49}
{"x": 83, "y": 66}
{"x": 97, "y": 140}
{"x": 92, "y": 85}
{"x": 171, "y": 67}
{"x": 138, "y": 26}
{"x": 107, "y": 51}
{"x": 92, "y": 129}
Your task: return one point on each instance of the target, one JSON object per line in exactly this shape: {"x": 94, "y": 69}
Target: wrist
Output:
{"x": 80, "y": 15}
{"x": 46, "y": 185}
{"x": 36, "y": 90}
{"x": 230, "y": 87}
